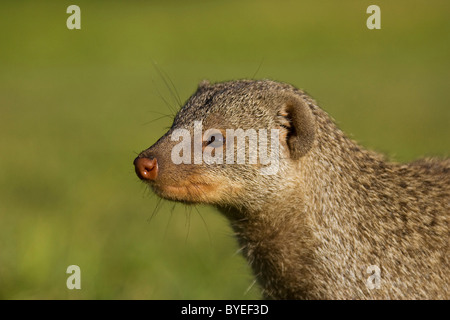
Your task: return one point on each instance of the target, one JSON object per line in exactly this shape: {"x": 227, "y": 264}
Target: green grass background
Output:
{"x": 76, "y": 106}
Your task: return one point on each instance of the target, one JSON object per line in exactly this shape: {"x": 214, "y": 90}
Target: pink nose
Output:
{"x": 146, "y": 169}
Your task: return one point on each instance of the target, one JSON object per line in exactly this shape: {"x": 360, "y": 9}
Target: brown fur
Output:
{"x": 332, "y": 210}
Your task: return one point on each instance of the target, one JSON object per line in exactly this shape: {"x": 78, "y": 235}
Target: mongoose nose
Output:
{"x": 146, "y": 169}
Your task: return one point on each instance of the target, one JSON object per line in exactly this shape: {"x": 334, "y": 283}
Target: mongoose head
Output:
{"x": 210, "y": 155}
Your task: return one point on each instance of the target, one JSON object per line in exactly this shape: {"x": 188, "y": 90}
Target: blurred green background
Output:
{"x": 76, "y": 106}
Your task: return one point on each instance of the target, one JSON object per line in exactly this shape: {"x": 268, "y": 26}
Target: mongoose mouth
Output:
{"x": 187, "y": 191}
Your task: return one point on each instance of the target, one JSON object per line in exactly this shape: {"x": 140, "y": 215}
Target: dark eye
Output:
{"x": 215, "y": 140}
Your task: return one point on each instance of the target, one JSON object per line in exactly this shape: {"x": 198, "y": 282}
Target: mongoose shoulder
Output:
{"x": 330, "y": 220}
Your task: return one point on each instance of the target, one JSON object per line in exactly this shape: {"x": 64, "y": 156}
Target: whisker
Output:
{"x": 175, "y": 91}
{"x": 169, "y": 84}
{"x": 161, "y": 113}
{"x": 257, "y": 70}
{"x": 188, "y": 222}
{"x": 168, "y": 105}
{"x": 155, "y": 210}
{"x": 146, "y": 192}
{"x": 204, "y": 223}
{"x": 159, "y": 118}
{"x": 168, "y": 221}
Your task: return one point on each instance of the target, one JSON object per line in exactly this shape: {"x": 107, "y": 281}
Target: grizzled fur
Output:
{"x": 332, "y": 210}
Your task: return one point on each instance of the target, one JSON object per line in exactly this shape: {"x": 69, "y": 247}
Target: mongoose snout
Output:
{"x": 323, "y": 219}
{"x": 146, "y": 169}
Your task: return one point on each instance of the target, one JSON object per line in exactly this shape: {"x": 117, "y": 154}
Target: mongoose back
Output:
{"x": 333, "y": 221}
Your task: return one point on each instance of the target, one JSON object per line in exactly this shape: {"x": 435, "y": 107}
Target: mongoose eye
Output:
{"x": 215, "y": 140}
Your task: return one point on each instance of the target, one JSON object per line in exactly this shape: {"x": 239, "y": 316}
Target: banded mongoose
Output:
{"x": 335, "y": 221}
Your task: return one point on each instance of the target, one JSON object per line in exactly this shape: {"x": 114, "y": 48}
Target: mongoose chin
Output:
{"x": 317, "y": 215}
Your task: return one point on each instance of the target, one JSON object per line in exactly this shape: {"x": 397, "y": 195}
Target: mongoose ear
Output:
{"x": 300, "y": 125}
